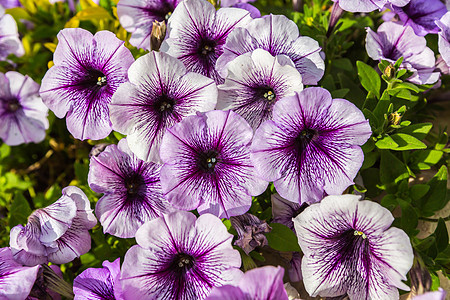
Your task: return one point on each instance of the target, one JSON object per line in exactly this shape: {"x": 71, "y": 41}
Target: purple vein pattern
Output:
{"x": 207, "y": 164}
{"x": 349, "y": 249}
{"x": 312, "y": 145}
{"x": 23, "y": 114}
{"x": 277, "y": 35}
{"x": 368, "y": 5}
{"x": 197, "y": 33}
{"x": 180, "y": 257}
{"x": 444, "y": 37}
{"x": 9, "y": 38}
{"x": 88, "y": 70}
{"x": 159, "y": 94}
{"x": 131, "y": 188}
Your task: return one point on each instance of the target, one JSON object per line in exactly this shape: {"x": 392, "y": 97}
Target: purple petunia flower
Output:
{"x": 312, "y": 146}
{"x": 255, "y": 82}
{"x": 10, "y": 3}
{"x": 277, "y": 35}
{"x": 436, "y": 295}
{"x": 254, "y": 12}
{"x": 250, "y": 230}
{"x": 87, "y": 72}
{"x": 57, "y": 233}
{"x": 368, "y": 5}
{"x": 207, "y": 164}
{"x": 349, "y": 248}
{"x": 9, "y": 38}
{"x": 16, "y": 280}
{"x": 444, "y": 37}
{"x": 99, "y": 283}
{"x": 257, "y": 284}
{"x": 131, "y": 188}
{"x": 393, "y": 41}
{"x": 421, "y": 15}
{"x": 137, "y": 17}
{"x": 180, "y": 257}
{"x": 197, "y": 33}
{"x": 23, "y": 114}
{"x": 283, "y": 211}
{"x": 160, "y": 93}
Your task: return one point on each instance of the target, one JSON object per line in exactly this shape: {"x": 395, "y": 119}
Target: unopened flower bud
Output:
{"x": 158, "y": 35}
{"x": 389, "y": 71}
{"x": 394, "y": 118}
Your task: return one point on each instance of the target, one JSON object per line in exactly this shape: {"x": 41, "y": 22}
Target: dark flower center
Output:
{"x": 133, "y": 184}
{"x": 208, "y": 160}
{"x": 13, "y": 105}
{"x": 183, "y": 262}
{"x": 303, "y": 139}
{"x": 164, "y": 104}
{"x": 96, "y": 79}
{"x": 265, "y": 92}
{"x": 207, "y": 47}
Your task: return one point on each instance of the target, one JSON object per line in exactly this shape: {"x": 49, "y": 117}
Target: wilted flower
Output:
{"x": 138, "y": 16}
{"x": 196, "y": 34}
{"x": 283, "y": 211}
{"x": 444, "y": 37}
{"x": 207, "y": 164}
{"x": 368, "y": 5}
{"x": 257, "y": 284}
{"x": 255, "y": 82}
{"x": 277, "y": 35}
{"x": 421, "y": 15}
{"x": 99, "y": 283}
{"x": 180, "y": 257}
{"x": 131, "y": 188}
{"x": 312, "y": 145}
{"x": 57, "y": 233}
{"x": 251, "y": 232}
{"x": 24, "y": 115}
{"x": 87, "y": 72}
{"x": 393, "y": 41}
{"x": 16, "y": 280}
{"x": 349, "y": 248}
{"x": 160, "y": 93}
{"x": 9, "y": 38}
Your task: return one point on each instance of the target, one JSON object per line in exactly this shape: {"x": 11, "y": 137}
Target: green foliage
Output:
{"x": 282, "y": 238}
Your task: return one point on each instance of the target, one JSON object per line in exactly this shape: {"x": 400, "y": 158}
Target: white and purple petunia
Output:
{"x": 265, "y": 283}
{"x": 159, "y": 94}
{"x": 207, "y": 164}
{"x": 312, "y": 145}
{"x": 23, "y": 114}
{"x": 368, "y": 5}
{"x": 137, "y": 17}
{"x": 87, "y": 72}
{"x": 197, "y": 33}
{"x": 99, "y": 283}
{"x": 57, "y": 233}
{"x": 393, "y": 40}
{"x": 421, "y": 15}
{"x": 16, "y": 280}
{"x": 9, "y": 38}
{"x": 255, "y": 81}
{"x": 180, "y": 257}
{"x": 444, "y": 37}
{"x": 349, "y": 249}
{"x": 279, "y": 36}
{"x": 131, "y": 188}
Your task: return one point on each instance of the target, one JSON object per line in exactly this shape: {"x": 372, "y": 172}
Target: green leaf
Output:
{"x": 409, "y": 219}
{"x": 407, "y": 85}
{"x": 419, "y": 131}
{"x": 417, "y": 191}
{"x": 392, "y": 170}
{"x": 442, "y": 142}
{"x": 422, "y": 160}
{"x": 389, "y": 201}
{"x": 282, "y": 238}
{"x": 370, "y": 159}
{"x": 339, "y": 93}
{"x": 407, "y": 142}
{"x": 355, "y": 94}
{"x": 425, "y": 243}
{"x": 19, "y": 210}
{"x": 441, "y": 235}
{"x": 436, "y": 198}
{"x": 81, "y": 172}
{"x": 369, "y": 78}
{"x": 343, "y": 63}
{"x": 386, "y": 142}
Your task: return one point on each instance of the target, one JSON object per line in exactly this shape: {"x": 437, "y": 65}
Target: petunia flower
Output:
{"x": 131, "y": 188}
{"x": 137, "y": 17}
{"x": 277, "y": 35}
{"x": 444, "y": 37}
{"x": 393, "y": 41}
{"x": 87, "y": 72}
{"x": 250, "y": 230}
{"x": 207, "y": 164}
{"x": 421, "y": 15}
{"x": 10, "y": 3}
{"x": 312, "y": 145}
{"x": 99, "y": 283}
{"x": 178, "y": 256}
{"x": 9, "y": 37}
{"x": 197, "y": 33}
{"x": 23, "y": 114}
{"x": 160, "y": 93}
{"x": 57, "y": 233}
{"x": 368, "y": 5}
{"x": 265, "y": 283}
{"x": 283, "y": 211}
{"x": 254, "y": 12}
{"x": 16, "y": 280}
{"x": 255, "y": 81}
{"x": 349, "y": 248}
{"x": 436, "y": 295}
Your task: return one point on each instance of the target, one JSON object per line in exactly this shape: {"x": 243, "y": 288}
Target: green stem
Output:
{"x": 434, "y": 220}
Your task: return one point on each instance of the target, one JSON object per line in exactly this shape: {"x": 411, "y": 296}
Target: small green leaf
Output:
{"x": 436, "y": 197}
{"x": 370, "y": 159}
{"x": 386, "y": 142}
{"x": 441, "y": 235}
{"x": 422, "y": 160}
{"x": 417, "y": 191}
{"x": 369, "y": 78}
{"x": 339, "y": 93}
{"x": 407, "y": 142}
{"x": 392, "y": 170}
{"x": 419, "y": 131}
{"x": 19, "y": 210}
{"x": 282, "y": 238}
{"x": 409, "y": 219}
